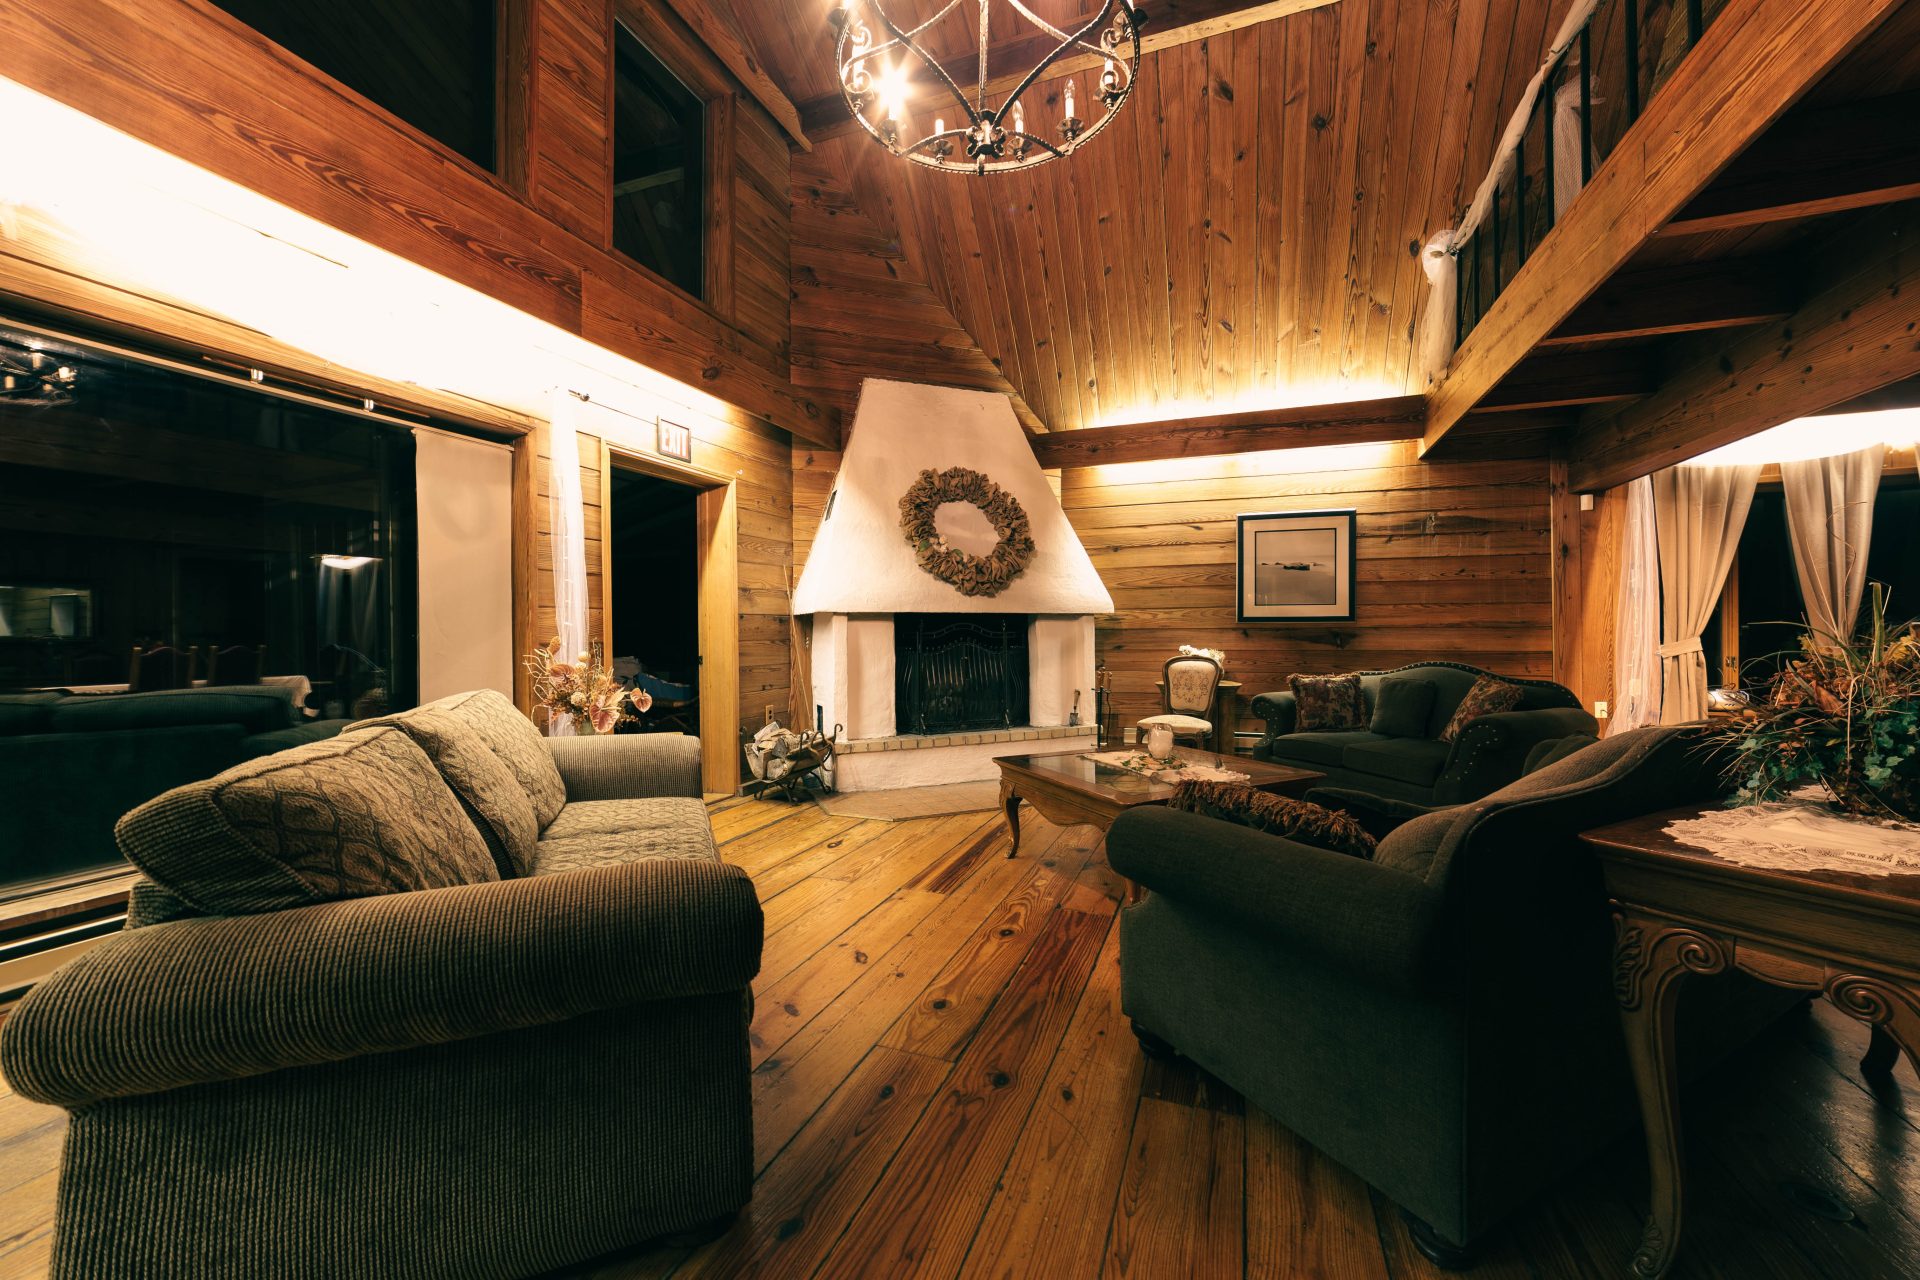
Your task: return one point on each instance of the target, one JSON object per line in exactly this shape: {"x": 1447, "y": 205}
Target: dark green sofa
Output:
{"x": 1491, "y": 752}
{"x": 1440, "y": 1019}
{"x": 71, "y": 765}
{"x": 472, "y": 1007}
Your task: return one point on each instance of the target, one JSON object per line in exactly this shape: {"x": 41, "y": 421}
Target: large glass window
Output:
{"x": 430, "y": 62}
{"x": 659, "y": 167}
{"x": 192, "y": 572}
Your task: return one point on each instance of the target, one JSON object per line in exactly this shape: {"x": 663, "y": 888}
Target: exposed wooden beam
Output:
{"x": 1562, "y": 378}
{"x": 1860, "y": 333}
{"x": 1733, "y": 294}
{"x": 720, "y": 37}
{"x": 1355, "y": 422}
{"x": 1170, "y": 23}
{"x": 1826, "y": 159}
{"x": 1752, "y": 63}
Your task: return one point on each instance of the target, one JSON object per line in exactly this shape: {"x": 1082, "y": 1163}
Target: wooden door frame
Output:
{"x": 717, "y": 570}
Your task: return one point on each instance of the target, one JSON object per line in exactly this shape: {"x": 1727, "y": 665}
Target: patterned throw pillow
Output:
{"x": 480, "y": 779}
{"x": 1489, "y": 696}
{"x": 1297, "y": 820}
{"x": 1327, "y": 703}
{"x": 510, "y": 735}
{"x": 360, "y": 814}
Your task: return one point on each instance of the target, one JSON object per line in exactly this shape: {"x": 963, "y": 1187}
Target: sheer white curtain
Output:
{"x": 1568, "y": 173}
{"x": 566, "y": 514}
{"x": 1698, "y": 512}
{"x": 1636, "y": 625}
{"x": 1830, "y": 523}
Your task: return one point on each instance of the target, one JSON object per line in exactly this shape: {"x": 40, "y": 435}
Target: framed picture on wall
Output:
{"x": 1296, "y": 566}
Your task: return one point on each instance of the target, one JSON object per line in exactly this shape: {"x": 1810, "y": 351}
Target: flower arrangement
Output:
{"x": 1844, "y": 716}
{"x": 1197, "y": 651}
{"x": 582, "y": 691}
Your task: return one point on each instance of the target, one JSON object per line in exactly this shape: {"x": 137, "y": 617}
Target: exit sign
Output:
{"x": 676, "y": 441}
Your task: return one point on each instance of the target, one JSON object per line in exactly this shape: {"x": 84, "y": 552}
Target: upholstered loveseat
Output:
{"x": 1440, "y": 1019}
{"x": 436, "y": 997}
{"x": 1487, "y": 754}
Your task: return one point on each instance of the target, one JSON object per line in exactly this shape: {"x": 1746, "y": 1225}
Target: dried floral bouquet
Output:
{"x": 582, "y": 690}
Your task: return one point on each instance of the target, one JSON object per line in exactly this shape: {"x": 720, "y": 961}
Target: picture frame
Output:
{"x": 1296, "y": 566}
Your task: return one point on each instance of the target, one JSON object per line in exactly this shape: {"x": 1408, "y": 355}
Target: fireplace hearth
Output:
{"x": 956, "y": 673}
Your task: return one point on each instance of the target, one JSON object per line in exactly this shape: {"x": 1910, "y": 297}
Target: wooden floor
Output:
{"x": 944, "y": 1085}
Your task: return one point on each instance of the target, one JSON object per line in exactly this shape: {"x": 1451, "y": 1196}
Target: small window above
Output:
{"x": 659, "y": 167}
{"x": 429, "y": 62}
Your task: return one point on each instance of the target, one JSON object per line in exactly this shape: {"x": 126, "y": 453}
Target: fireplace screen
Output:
{"x": 957, "y": 673}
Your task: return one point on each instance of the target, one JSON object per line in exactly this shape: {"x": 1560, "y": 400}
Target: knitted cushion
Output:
{"x": 361, "y": 814}
{"x": 1328, "y": 702}
{"x": 1402, "y": 707}
{"x": 480, "y": 778}
{"x": 1490, "y": 695}
{"x": 1297, "y": 820}
{"x": 512, "y": 737}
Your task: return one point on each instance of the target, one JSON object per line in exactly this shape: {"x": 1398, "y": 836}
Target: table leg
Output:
{"x": 1010, "y": 801}
{"x": 1651, "y": 958}
{"x": 1890, "y": 1010}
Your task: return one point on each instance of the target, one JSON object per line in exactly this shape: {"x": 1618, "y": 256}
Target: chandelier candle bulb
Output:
{"x": 1070, "y": 111}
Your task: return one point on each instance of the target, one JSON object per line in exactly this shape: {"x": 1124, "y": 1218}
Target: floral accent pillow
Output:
{"x": 1327, "y": 703}
{"x": 1296, "y": 820}
{"x": 1489, "y": 696}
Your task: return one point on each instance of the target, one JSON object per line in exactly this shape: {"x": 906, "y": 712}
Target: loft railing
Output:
{"x": 1593, "y": 92}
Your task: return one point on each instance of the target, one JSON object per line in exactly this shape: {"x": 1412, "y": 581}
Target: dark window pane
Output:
{"x": 659, "y": 167}
{"x": 430, "y": 62}
{"x": 242, "y": 538}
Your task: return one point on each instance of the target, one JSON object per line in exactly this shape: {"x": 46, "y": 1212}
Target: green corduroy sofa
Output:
{"x": 436, "y": 997}
{"x": 1488, "y": 754}
{"x": 1439, "y": 1019}
{"x": 70, "y": 765}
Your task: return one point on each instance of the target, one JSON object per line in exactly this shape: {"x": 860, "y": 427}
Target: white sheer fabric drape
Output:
{"x": 1636, "y": 626}
{"x": 1830, "y": 524}
{"x": 1569, "y": 175}
{"x": 566, "y": 514}
{"x": 1698, "y": 512}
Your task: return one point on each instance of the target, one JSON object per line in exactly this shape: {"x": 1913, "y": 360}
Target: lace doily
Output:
{"x": 1804, "y": 833}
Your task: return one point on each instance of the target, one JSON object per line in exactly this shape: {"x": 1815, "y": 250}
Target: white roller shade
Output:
{"x": 465, "y": 492}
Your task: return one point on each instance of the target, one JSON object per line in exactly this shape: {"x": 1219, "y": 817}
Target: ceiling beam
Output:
{"x": 1353, "y": 422}
{"x": 1857, "y": 335}
{"x": 725, "y": 43}
{"x": 1826, "y": 159}
{"x": 1562, "y": 378}
{"x": 1169, "y": 23}
{"x": 1752, "y": 63}
{"x": 1689, "y": 298}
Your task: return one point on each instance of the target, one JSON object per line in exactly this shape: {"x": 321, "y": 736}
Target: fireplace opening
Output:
{"x": 959, "y": 672}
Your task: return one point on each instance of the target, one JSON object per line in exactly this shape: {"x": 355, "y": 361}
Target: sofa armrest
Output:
{"x": 628, "y": 766}
{"x": 1373, "y": 919}
{"x": 1279, "y": 713}
{"x": 220, "y": 998}
{"x": 1491, "y": 751}
{"x": 1380, "y": 815}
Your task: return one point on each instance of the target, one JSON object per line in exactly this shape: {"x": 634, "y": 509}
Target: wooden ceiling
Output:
{"x": 1246, "y": 233}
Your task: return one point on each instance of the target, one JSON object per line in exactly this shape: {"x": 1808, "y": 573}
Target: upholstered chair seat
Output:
{"x": 1180, "y": 724}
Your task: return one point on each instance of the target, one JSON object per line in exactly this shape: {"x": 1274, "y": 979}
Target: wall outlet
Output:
{"x": 1599, "y": 711}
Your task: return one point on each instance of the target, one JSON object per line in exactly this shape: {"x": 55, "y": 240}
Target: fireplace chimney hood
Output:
{"x": 861, "y": 562}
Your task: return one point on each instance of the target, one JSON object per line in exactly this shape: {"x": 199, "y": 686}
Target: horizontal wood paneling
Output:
{"x": 1454, "y": 562}
{"x": 195, "y": 82}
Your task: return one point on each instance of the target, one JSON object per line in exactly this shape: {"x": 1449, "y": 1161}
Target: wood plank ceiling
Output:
{"x": 1244, "y": 236}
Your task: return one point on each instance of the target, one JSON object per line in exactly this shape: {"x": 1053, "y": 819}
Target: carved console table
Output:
{"x": 1680, "y": 911}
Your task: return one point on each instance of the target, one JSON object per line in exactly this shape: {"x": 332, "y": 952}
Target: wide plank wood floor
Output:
{"x": 944, "y": 1085}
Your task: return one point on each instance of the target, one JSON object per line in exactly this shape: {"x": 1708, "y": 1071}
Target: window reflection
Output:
{"x": 192, "y": 573}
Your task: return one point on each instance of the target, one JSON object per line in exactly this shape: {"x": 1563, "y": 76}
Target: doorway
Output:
{"x": 671, "y": 603}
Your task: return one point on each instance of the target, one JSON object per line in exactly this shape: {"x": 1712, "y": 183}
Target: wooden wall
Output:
{"x": 1454, "y": 563}
{"x": 193, "y": 81}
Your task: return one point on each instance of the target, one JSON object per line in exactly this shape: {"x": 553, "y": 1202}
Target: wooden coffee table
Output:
{"x": 1068, "y": 789}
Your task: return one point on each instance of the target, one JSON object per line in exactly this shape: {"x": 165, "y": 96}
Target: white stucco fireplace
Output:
{"x": 862, "y": 583}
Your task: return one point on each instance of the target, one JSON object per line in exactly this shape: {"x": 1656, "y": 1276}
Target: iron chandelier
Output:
{"x": 875, "y": 57}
